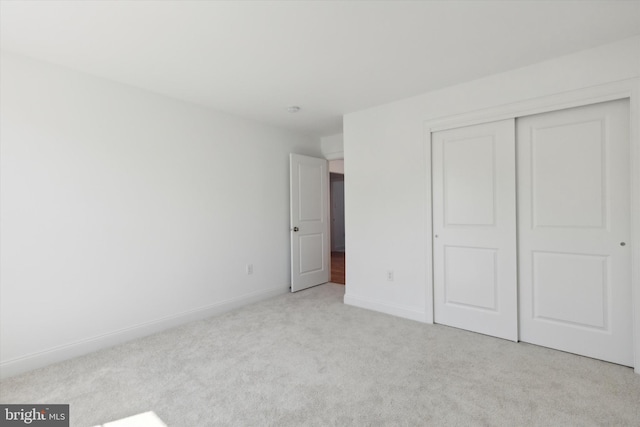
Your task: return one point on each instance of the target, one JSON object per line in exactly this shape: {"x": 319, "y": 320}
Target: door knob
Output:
{"x": 295, "y": 229}
{"x": 622, "y": 243}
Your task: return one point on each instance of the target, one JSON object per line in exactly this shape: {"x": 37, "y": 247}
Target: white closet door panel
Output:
{"x": 474, "y": 213}
{"x": 574, "y": 215}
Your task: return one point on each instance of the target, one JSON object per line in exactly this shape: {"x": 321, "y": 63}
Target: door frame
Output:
{"x": 623, "y": 89}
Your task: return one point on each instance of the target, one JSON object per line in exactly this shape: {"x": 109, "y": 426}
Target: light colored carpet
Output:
{"x": 307, "y": 359}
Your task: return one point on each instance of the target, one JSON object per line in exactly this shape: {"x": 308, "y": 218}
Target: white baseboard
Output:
{"x": 18, "y": 365}
{"x": 384, "y": 307}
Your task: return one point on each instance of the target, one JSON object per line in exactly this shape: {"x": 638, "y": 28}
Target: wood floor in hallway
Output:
{"x": 337, "y": 267}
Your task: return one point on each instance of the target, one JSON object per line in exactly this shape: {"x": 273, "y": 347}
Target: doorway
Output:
{"x": 338, "y": 247}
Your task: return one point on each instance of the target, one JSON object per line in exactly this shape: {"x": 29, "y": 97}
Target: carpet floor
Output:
{"x": 306, "y": 359}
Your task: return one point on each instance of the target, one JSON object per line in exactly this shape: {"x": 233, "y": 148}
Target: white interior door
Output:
{"x": 310, "y": 252}
{"x": 574, "y": 223}
{"x": 474, "y": 223}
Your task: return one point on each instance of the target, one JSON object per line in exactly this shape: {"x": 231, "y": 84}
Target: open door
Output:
{"x": 310, "y": 251}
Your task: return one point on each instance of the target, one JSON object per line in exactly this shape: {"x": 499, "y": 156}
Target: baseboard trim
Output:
{"x": 63, "y": 352}
{"x": 385, "y": 307}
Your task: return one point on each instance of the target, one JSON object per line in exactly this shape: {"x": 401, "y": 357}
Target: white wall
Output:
{"x": 336, "y": 166}
{"x": 124, "y": 212}
{"x": 387, "y": 206}
{"x": 332, "y": 146}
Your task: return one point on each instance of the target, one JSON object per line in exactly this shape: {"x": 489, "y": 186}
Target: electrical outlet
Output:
{"x": 249, "y": 269}
{"x": 390, "y": 275}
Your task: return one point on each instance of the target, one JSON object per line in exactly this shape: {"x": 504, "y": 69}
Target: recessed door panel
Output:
{"x": 311, "y": 253}
{"x": 573, "y": 225}
{"x": 571, "y": 289}
{"x": 469, "y": 181}
{"x": 475, "y": 285}
{"x": 311, "y": 178}
{"x": 569, "y": 194}
{"x": 474, "y": 216}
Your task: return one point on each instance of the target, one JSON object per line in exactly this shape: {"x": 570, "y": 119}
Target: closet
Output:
{"x": 531, "y": 219}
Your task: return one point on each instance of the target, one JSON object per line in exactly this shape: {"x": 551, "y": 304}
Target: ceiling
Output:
{"x": 256, "y": 58}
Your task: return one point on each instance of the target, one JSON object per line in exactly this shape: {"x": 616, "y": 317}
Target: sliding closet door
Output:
{"x": 574, "y": 229}
{"x": 474, "y": 223}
